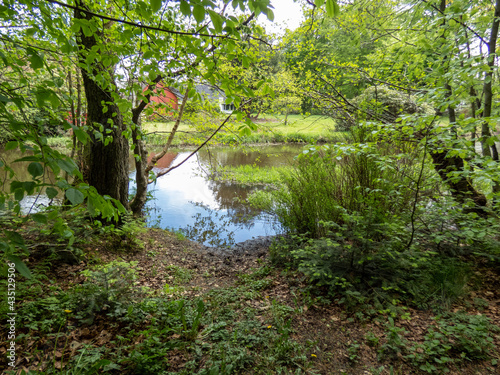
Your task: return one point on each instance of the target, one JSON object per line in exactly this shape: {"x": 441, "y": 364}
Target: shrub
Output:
{"x": 379, "y": 103}
{"x": 107, "y": 288}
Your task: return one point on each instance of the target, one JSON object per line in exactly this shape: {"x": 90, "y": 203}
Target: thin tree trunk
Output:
{"x": 488, "y": 83}
{"x": 141, "y": 176}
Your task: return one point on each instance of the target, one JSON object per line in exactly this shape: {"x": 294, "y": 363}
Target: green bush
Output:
{"x": 379, "y": 103}
{"x": 356, "y": 270}
{"x": 108, "y": 288}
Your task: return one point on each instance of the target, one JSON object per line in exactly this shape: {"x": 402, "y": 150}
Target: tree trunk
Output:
{"x": 141, "y": 160}
{"x": 106, "y": 158}
{"x": 460, "y": 186}
{"x": 488, "y": 86}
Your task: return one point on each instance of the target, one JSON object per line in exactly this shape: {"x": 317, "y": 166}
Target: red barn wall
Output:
{"x": 163, "y": 96}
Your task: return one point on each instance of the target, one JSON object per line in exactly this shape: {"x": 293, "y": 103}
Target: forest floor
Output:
{"x": 239, "y": 315}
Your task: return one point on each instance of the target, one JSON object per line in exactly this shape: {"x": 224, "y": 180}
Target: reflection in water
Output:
{"x": 209, "y": 211}
{"x": 211, "y": 228}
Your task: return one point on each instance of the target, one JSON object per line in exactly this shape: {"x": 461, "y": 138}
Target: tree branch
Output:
{"x": 155, "y": 158}
{"x": 146, "y": 27}
{"x": 198, "y": 149}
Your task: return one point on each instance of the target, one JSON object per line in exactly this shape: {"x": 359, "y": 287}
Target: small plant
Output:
{"x": 353, "y": 350}
{"x": 395, "y": 343}
{"x": 372, "y": 340}
{"x": 124, "y": 236}
{"x": 107, "y": 288}
{"x": 179, "y": 275}
{"x": 480, "y": 303}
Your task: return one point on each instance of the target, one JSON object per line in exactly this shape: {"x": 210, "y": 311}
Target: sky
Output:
{"x": 286, "y": 13}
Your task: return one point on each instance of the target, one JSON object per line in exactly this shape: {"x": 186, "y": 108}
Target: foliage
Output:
{"x": 107, "y": 288}
{"x": 380, "y": 103}
{"x": 123, "y": 235}
{"x": 359, "y": 179}
{"x": 455, "y": 337}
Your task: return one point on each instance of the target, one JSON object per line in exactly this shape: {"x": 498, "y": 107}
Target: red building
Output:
{"x": 164, "y": 99}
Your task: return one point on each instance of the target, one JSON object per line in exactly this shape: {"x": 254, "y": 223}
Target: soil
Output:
{"x": 340, "y": 344}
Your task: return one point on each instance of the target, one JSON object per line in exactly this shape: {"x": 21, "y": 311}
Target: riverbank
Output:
{"x": 180, "y": 309}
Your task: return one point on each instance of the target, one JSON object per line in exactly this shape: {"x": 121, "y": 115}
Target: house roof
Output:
{"x": 209, "y": 92}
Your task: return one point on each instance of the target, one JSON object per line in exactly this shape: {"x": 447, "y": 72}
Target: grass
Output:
{"x": 251, "y": 175}
{"x": 270, "y": 129}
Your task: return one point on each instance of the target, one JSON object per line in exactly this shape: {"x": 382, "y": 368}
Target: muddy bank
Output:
{"x": 255, "y": 247}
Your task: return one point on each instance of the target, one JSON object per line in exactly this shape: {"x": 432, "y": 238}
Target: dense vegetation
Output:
{"x": 390, "y": 258}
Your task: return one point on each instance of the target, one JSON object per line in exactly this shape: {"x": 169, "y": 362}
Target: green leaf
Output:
{"x": 54, "y": 100}
{"x": 216, "y": 20}
{"x": 19, "y": 195}
{"x": 148, "y": 54}
{"x": 155, "y": 5}
{"x": 29, "y": 187}
{"x": 35, "y": 169}
{"x": 332, "y": 8}
{"x": 36, "y": 61}
{"x": 51, "y": 192}
{"x": 14, "y": 237}
{"x": 20, "y": 266}
{"x": 185, "y": 8}
{"x": 74, "y": 196}
{"x": 27, "y": 158}
{"x": 10, "y": 145}
{"x": 319, "y": 3}
{"x": 67, "y": 166}
{"x": 63, "y": 184}
{"x": 40, "y": 218}
{"x": 199, "y": 13}
{"x": 270, "y": 15}
{"x": 81, "y": 135}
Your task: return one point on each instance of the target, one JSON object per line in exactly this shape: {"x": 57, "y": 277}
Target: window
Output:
{"x": 228, "y": 107}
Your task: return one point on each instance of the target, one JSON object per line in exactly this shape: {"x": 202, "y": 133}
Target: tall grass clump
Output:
{"x": 361, "y": 178}
{"x": 349, "y": 209}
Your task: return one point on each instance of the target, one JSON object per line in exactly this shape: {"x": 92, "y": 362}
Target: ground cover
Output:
{"x": 154, "y": 303}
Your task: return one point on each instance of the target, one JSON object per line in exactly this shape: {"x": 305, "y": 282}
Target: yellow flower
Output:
{"x": 269, "y": 326}
{"x": 67, "y": 311}
{"x": 313, "y": 355}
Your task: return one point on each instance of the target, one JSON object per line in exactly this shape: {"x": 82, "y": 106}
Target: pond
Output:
{"x": 208, "y": 211}
{"x": 188, "y": 200}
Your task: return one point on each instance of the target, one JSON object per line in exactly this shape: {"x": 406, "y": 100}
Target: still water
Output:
{"x": 208, "y": 211}
{"x": 189, "y": 200}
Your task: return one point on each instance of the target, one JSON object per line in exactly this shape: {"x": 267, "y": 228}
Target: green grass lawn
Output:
{"x": 270, "y": 129}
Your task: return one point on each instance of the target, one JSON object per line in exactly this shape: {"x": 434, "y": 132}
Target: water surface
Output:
{"x": 187, "y": 199}
{"x": 209, "y": 211}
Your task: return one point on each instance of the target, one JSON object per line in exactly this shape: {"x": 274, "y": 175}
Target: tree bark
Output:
{"x": 106, "y": 159}
{"x": 460, "y": 186}
{"x": 488, "y": 86}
